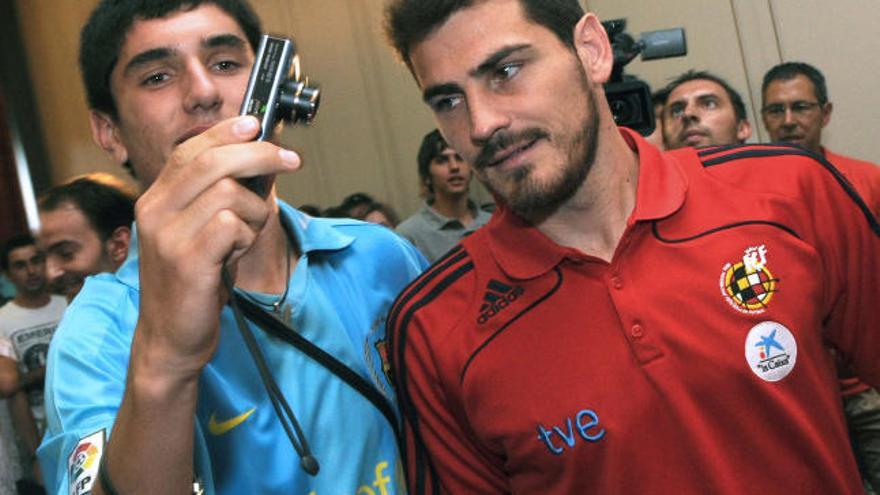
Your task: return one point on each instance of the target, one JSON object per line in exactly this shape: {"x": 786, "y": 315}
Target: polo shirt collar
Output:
{"x": 312, "y": 235}
{"x": 524, "y": 252}
{"x": 438, "y": 220}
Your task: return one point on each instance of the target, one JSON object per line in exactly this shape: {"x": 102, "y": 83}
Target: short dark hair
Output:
{"x": 693, "y": 75}
{"x": 789, "y": 70}
{"x": 409, "y": 22}
{"x": 355, "y": 204}
{"x": 432, "y": 145}
{"x": 103, "y": 199}
{"x": 659, "y": 97}
{"x": 104, "y": 34}
{"x": 13, "y": 243}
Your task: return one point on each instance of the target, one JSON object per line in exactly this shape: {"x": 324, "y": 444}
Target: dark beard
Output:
{"x": 537, "y": 201}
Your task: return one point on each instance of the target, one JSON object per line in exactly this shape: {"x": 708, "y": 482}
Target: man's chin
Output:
{"x": 697, "y": 142}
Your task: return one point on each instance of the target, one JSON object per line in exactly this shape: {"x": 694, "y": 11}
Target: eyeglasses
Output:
{"x": 798, "y": 108}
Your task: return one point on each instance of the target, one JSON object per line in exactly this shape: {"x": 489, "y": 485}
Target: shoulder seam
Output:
{"x": 751, "y": 151}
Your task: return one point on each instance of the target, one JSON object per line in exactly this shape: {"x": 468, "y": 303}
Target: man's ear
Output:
{"x": 117, "y": 245}
{"x": 826, "y": 113}
{"x": 105, "y": 135}
{"x": 593, "y": 48}
{"x": 743, "y": 130}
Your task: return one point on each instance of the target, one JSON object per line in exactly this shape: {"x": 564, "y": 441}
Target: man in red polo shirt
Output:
{"x": 796, "y": 109}
{"x": 629, "y": 321}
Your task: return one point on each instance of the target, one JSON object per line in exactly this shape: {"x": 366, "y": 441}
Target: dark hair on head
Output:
{"x": 13, "y": 243}
{"x": 692, "y": 75}
{"x": 104, "y": 200}
{"x": 104, "y": 34}
{"x": 334, "y": 212}
{"x": 659, "y": 97}
{"x": 789, "y": 70}
{"x": 432, "y": 145}
{"x": 355, "y": 204}
{"x": 310, "y": 210}
{"x": 409, "y": 22}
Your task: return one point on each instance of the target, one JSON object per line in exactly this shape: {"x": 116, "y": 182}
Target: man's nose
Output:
{"x": 54, "y": 268}
{"x": 690, "y": 113}
{"x": 486, "y": 117}
{"x": 201, "y": 90}
{"x": 788, "y": 117}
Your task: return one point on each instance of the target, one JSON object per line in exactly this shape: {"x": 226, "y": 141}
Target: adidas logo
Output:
{"x": 498, "y": 296}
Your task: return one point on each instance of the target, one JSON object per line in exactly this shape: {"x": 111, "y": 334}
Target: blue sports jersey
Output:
{"x": 344, "y": 282}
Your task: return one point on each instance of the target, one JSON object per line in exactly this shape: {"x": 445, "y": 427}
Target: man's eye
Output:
{"x": 710, "y": 103}
{"x": 506, "y": 72}
{"x": 444, "y": 103}
{"x": 227, "y": 65}
{"x": 155, "y": 79}
{"x": 676, "y": 110}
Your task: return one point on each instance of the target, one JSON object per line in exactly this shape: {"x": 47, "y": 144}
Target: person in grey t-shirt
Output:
{"x": 448, "y": 214}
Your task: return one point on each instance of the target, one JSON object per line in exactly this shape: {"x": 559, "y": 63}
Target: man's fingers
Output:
{"x": 225, "y": 238}
{"x": 229, "y": 131}
{"x": 225, "y": 150}
{"x": 213, "y": 164}
{"x": 224, "y": 196}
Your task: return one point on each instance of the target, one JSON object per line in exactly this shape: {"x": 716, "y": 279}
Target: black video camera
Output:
{"x": 629, "y": 97}
{"x": 276, "y": 92}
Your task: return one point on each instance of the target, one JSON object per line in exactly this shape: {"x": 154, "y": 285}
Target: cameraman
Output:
{"x": 150, "y": 357}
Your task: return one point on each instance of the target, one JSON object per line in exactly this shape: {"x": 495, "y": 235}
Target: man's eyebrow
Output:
{"x": 152, "y": 55}
{"x": 57, "y": 246}
{"x": 486, "y": 66}
{"x": 147, "y": 57}
{"x": 492, "y": 61}
{"x": 440, "y": 89}
{"x": 225, "y": 40}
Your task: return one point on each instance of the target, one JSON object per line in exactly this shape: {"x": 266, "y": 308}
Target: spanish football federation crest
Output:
{"x": 747, "y": 285}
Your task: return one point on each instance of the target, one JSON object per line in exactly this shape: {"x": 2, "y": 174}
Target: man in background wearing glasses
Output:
{"x": 795, "y": 110}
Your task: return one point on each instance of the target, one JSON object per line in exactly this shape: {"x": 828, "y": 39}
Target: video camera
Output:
{"x": 629, "y": 97}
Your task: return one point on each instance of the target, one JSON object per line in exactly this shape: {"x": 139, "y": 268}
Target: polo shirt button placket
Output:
{"x": 637, "y": 331}
{"x": 617, "y": 282}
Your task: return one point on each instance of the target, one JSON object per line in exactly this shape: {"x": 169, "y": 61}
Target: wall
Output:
{"x": 372, "y": 119}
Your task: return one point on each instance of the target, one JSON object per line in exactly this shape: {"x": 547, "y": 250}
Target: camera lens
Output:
{"x": 623, "y": 111}
{"x": 298, "y": 101}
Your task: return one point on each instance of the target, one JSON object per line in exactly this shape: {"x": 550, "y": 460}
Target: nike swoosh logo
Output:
{"x": 221, "y": 427}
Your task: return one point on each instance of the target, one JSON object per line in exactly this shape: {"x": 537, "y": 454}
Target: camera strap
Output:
{"x": 278, "y": 329}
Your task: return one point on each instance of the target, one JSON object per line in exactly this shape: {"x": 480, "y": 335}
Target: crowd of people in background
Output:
{"x": 86, "y": 228}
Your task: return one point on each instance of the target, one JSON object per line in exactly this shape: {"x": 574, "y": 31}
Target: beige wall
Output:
{"x": 372, "y": 119}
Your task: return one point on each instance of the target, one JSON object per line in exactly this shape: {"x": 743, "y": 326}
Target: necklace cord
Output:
{"x": 277, "y": 304}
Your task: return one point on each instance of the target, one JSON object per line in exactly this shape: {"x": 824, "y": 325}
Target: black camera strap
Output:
{"x": 278, "y": 329}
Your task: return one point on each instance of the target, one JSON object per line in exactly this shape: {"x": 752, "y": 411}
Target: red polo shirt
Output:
{"x": 693, "y": 362}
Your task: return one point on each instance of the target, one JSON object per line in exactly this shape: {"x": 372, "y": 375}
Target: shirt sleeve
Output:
{"x": 85, "y": 380}
{"x": 847, "y": 235}
{"x": 6, "y": 349}
{"x": 442, "y": 455}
